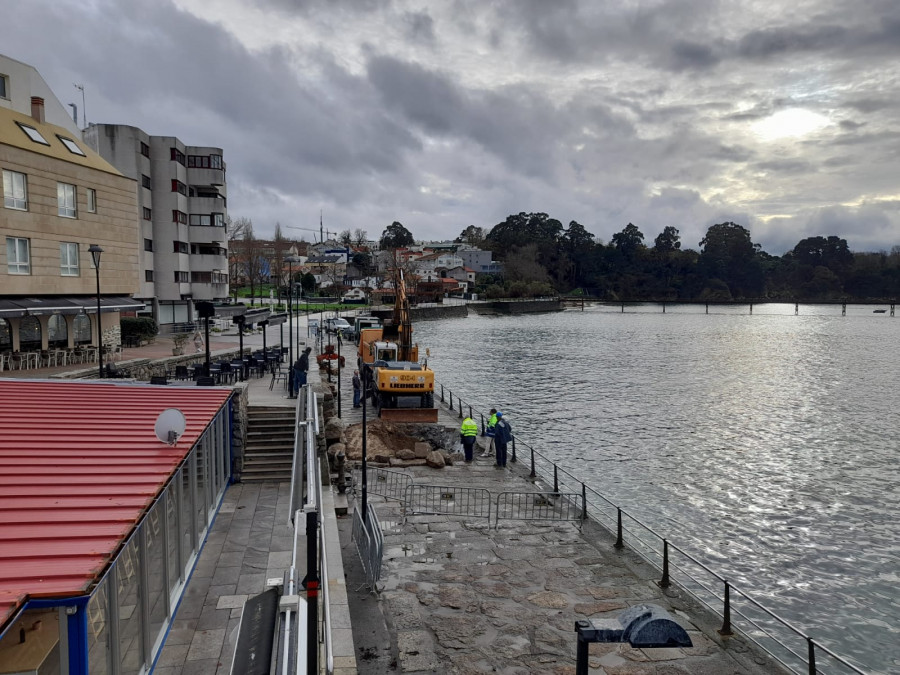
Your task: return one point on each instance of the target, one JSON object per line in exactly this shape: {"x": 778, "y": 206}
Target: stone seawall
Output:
{"x": 438, "y": 312}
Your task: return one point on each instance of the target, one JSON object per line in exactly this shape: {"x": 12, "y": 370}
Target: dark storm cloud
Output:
{"x": 515, "y": 124}
{"x": 419, "y": 27}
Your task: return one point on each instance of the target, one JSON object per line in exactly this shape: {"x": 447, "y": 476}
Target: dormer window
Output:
{"x": 33, "y": 133}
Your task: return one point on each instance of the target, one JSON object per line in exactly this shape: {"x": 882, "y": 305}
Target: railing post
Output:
{"x": 513, "y": 449}
{"x": 451, "y": 399}
{"x": 555, "y": 479}
{"x": 664, "y": 582}
{"x": 460, "y": 407}
{"x": 483, "y": 430}
{"x": 533, "y": 474}
{"x": 619, "y": 543}
{"x": 470, "y": 411}
{"x": 811, "y": 650}
{"x": 725, "y": 630}
{"x": 583, "y": 502}
{"x": 442, "y": 393}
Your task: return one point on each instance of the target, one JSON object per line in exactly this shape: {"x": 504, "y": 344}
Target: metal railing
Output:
{"x": 369, "y": 544}
{"x": 306, "y": 514}
{"x": 783, "y": 641}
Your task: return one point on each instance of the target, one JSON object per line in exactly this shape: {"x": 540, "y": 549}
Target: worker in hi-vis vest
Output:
{"x": 468, "y": 432}
{"x": 489, "y": 430}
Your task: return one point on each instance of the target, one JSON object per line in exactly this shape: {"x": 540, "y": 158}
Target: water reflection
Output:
{"x": 765, "y": 443}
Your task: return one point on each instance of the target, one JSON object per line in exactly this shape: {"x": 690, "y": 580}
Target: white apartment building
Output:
{"x": 182, "y": 205}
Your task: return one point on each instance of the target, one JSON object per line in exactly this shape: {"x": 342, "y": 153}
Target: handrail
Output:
{"x": 812, "y": 646}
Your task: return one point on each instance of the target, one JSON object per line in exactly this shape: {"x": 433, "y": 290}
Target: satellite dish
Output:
{"x": 169, "y": 425}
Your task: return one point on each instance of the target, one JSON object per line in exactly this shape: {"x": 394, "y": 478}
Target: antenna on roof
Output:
{"x": 169, "y": 426}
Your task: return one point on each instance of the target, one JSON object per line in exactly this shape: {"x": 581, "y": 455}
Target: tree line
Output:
{"x": 536, "y": 248}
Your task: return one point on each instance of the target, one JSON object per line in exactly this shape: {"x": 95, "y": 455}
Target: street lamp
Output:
{"x": 290, "y": 260}
{"x": 95, "y": 252}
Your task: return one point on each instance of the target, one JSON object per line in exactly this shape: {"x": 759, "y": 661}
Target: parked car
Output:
{"x": 333, "y": 325}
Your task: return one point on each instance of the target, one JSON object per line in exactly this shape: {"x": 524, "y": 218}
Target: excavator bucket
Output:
{"x": 412, "y": 415}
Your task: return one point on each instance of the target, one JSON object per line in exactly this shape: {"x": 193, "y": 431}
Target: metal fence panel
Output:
{"x": 369, "y": 545}
{"x": 446, "y": 500}
{"x": 540, "y": 506}
{"x": 384, "y": 482}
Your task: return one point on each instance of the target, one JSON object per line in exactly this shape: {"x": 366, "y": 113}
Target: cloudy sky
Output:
{"x": 782, "y": 117}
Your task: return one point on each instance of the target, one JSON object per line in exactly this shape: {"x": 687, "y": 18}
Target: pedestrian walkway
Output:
{"x": 458, "y": 595}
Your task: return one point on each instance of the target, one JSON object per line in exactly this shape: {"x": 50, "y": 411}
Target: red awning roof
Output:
{"x": 79, "y": 465}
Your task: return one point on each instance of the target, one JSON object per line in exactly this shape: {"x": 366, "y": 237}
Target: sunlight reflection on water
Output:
{"x": 766, "y": 443}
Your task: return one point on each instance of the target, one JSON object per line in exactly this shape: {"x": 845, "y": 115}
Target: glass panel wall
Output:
{"x": 202, "y": 504}
{"x": 187, "y": 513}
{"x": 128, "y": 576}
{"x": 98, "y": 630}
{"x": 157, "y": 595}
{"x": 173, "y": 560}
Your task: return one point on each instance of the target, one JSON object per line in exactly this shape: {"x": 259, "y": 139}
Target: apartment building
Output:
{"x": 181, "y": 208}
{"x": 59, "y": 198}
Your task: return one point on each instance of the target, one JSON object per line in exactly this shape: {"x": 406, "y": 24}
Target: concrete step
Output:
{"x": 284, "y": 446}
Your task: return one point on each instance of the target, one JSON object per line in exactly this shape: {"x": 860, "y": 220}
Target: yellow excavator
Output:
{"x": 390, "y": 363}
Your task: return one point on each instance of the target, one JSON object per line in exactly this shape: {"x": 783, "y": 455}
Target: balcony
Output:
{"x": 201, "y": 234}
{"x": 206, "y": 176}
{"x": 208, "y": 263}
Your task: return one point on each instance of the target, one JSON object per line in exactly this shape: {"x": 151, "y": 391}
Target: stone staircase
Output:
{"x": 269, "y": 451}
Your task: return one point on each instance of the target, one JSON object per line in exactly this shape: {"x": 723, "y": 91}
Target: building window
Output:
{"x": 33, "y": 134}
{"x": 145, "y": 149}
{"x": 201, "y": 277}
{"x": 18, "y": 255}
{"x": 200, "y": 219}
{"x": 148, "y": 275}
{"x": 146, "y": 182}
{"x": 182, "y": 247}
{"x": 71, "y": 145}
{"x": 68, "y": 259}
{"x": 65, "y": 199}
{"x": 198, "y": 161}
{"x": 178, "y": 186}
{"x": 215, "y": 162}
{"x": 219, "y": 219}
{"x": 179, "y": 217}
{"x": 176, "y": 155}
{"x": 4, "y": 86}
{"x": 182, "y": 278}
{"x": 148, "y": 244}
{"x": 15, "y": 192}
{"x": 219, "y": 278}
{"x": 148, "y": 214}
{"x": 91, "y": 200}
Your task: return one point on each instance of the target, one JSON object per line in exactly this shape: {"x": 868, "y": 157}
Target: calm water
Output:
{"x": 766, "y": 445}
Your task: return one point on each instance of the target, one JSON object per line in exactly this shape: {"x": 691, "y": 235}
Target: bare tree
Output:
{"x": 346, "y": 238}
{"x": 278, "y": 269}
{"x": 360, "y": 237}
{"x": 236, "y": 231}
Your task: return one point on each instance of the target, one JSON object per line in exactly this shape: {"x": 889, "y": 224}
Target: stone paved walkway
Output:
{"x": 462, "y": 597}
{"x": 249, "y": 542}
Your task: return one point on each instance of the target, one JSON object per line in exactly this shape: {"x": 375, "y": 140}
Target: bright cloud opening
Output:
{"x": 790, "y": 123}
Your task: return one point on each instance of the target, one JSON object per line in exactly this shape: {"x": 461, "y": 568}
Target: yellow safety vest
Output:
{"x": 469, "y": 428}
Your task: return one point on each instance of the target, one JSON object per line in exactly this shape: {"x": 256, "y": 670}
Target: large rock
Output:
{"x": 435, "y": 460}
{"x": 406, "y": 453}
{"x": 421, "y": 450}
{"x": 333, "y": 429}
{"x": 395, "y": 462}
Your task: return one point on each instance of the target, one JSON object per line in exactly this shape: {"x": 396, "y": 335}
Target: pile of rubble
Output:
{"x": 390, "y": 444}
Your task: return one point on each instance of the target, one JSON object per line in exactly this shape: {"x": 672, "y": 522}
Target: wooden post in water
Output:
{"x": 796, "y": 308}
{"x": 844, "y": 309}
{"x": 751, "y": 309}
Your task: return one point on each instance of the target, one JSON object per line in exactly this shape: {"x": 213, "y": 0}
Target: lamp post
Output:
{"x": 95, "y": 252}
{"x": 290, "y": 260}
